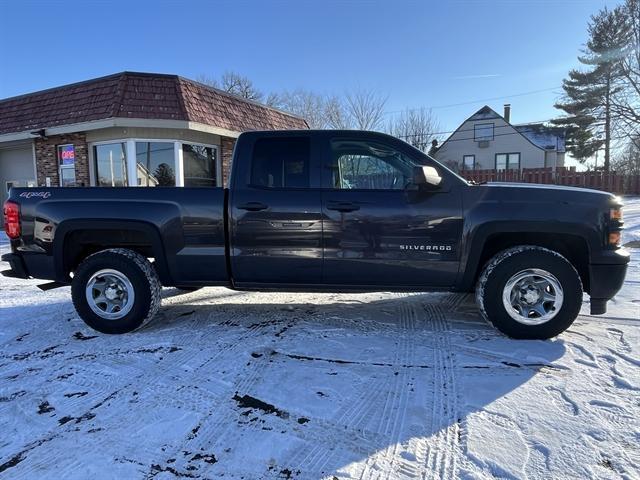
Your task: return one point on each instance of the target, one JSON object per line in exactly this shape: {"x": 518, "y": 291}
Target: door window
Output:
{"x": 281, "y": 163}
{"x": 359, "y": 165}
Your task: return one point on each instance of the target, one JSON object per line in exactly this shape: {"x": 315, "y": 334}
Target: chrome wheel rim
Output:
{"x": 532, "y": 296}
{"x": 110, "y": 294}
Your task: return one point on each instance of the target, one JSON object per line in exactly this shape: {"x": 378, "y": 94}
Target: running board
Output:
{"x": 50, "y": 286}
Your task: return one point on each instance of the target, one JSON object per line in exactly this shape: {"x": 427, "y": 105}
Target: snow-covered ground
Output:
{"x": 251, "y": 385}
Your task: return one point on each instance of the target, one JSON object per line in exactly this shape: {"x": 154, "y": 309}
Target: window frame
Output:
{"x": 484, "y": 139}
{"x": 508, "y": 154}
{"x": 93, "y": 172}
{"x": 464, "y": 165}
{"x": 130, "y": 149}
{"x": 218, "y": 160}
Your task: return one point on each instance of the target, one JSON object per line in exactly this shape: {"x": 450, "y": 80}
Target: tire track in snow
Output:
{"x": 377, "y": 415}
{"x": 441, "y": 455}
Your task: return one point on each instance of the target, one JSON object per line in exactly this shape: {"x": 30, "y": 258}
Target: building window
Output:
{"x": 110, "y": 165}
{"x": 469, "y": 162}
{"x": 155, "y": 164}
{"x": 67, "y": 165}
{"x": 200, "y": 164}
{"x": 507, "y": 161}
{"x": 483, "y": 132}
{"x": 281, "y": 163}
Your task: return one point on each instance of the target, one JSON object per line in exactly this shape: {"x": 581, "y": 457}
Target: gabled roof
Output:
{"x": 539, "y": 134}
{"x": 142, "y": 96}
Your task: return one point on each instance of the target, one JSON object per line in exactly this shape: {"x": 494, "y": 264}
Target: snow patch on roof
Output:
{"x": 548, "y": 138}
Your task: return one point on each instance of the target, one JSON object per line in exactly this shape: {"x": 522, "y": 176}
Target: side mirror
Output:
{"x": 425, "y": 175}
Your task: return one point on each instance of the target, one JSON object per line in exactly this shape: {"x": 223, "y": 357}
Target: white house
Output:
{"x": 487, "y": 140}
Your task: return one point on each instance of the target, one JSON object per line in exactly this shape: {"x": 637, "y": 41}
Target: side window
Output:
{"x": 281, "y": 163}
{"x": 369, "y": 166}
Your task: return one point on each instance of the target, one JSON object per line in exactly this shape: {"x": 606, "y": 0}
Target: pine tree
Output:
{"x": 588, "y": 93}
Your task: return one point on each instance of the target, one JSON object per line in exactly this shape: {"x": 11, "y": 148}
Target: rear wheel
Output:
{"x": 529, "y": 292}
{"x": 116, "y": 291}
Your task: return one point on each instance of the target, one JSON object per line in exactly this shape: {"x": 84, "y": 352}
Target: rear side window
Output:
{"x": 281, "y": 163}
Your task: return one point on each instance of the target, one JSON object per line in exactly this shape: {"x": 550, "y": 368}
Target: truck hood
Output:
{"x": 542, "y": 193}
{"x": 542, "y": 186}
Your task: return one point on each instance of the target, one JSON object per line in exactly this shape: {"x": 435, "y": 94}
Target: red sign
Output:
{"x": 67, "y": 154}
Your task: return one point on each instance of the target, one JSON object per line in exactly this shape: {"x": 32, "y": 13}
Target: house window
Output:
{"x": 281, "y": 163}
{"x": 507, "y": 161}
{"x": 483, "y": 132}
{"x": 200, "y": 165}
{"x": 110, "y": 165}
{"x": 155, "y": 164}
{"x": 67, "y": 165}
{"x": 469, "y": 162}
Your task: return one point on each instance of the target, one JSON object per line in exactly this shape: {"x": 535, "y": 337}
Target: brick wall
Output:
{"x": 226, "y": 147}
{"x": 47, "y": 158}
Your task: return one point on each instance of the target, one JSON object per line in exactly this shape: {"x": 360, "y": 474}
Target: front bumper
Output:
{"x": 606, "y": 279}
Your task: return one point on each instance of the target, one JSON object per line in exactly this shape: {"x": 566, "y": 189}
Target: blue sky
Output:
{"x": 418, "y": 53}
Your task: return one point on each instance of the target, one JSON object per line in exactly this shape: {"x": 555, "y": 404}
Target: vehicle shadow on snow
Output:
{"x": 388, "y": 383}
{"x": 296, "y": 388}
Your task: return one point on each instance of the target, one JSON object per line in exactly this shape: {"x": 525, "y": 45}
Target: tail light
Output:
{"x": 615, "y": 224}
{"x": 12, "y": 219}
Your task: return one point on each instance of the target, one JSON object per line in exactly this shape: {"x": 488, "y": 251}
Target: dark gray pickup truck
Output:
{"x": 325, "y": 211}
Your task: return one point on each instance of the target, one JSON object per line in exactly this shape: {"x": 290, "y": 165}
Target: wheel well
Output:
{"x": 572, "y": 247}
{"x": 79, "y": 244}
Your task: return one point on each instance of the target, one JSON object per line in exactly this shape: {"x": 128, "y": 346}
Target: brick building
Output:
{"x": 127, "y": 129}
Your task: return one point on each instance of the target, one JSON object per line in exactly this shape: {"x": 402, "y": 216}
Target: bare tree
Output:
{"x": 415, "y": 126}
{"x": 208, "y": 80}
{"x": 234, "y": 83}
{"x": 336, "y": 115}
{"x": 627, "y": 161}
{"x": 365, "y": 109}
{"x": 304, "y": 103}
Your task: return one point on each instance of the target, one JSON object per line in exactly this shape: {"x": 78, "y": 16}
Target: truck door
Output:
{"x": 276, "y": 224}
{"x": 380, "y": 230}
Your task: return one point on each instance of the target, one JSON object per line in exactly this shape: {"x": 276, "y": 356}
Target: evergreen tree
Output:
{"x": 589, "y": 93}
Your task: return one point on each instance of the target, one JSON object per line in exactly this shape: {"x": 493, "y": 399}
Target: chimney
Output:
{"x": 507, "y": 112}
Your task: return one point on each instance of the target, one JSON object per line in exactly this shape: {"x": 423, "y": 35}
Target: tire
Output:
{"x": 529, "y": 292}
{"x": 126, "y": 276}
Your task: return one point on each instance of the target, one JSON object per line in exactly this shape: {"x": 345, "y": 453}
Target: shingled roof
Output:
{"x": 142, "y": 96}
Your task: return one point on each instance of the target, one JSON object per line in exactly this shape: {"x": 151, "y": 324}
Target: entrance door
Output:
{"x": 276, "y": 224}
{"x": 379, "y": 229}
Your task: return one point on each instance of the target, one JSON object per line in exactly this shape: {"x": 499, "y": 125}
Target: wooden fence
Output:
{"x": 610, "y": 182}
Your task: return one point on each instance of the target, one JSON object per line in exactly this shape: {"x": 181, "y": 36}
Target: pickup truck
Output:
{"x": 328, "y": 211}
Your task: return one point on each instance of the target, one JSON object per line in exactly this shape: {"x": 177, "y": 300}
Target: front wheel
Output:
{"x": 116, "y": 291}
{"x": 529, "y": 292}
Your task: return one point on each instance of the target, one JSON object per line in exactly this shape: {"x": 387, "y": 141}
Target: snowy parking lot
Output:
{"x": 264, "y": 385}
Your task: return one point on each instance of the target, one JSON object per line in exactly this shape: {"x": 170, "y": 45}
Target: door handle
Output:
{"x": 343, "y": 206}
{"x": 253, "y": 206}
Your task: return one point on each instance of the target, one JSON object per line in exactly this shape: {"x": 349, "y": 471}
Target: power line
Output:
{"x": 422, "y": 134}
{"x": 470, "y": 102}
{"x": 623, "y": 137}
